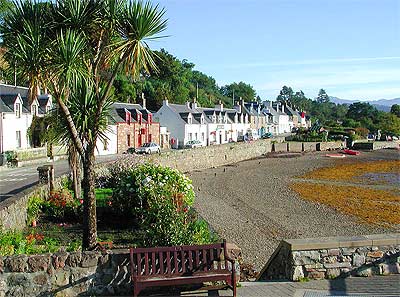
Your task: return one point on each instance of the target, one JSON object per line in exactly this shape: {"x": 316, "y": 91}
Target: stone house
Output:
{"x": 278, "y": 120}
{"x": 255, "y": 115}
{"x": 130, "y": 125}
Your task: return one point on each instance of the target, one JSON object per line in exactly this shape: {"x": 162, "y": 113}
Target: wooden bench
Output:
{"x": 178, "y": 265}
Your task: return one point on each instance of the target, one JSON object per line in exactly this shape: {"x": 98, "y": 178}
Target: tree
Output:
{"x": 322, "y": 96}
{"x": 78, "y": 47}
{"x": 389, "y": 124}
{"x": 285, "y": 95}
{"x": 238, "y": 90}
{"x": 395, "y": 109}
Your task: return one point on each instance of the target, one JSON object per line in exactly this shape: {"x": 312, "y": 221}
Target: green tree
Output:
{"x": 322, "y": 96}
{"x": 285, "y": 95}
{"x": 78, "y": 47}
{"x": 241, "y": 89}
{"x": 389, "y": 123}
{"x": 395, "y": 109}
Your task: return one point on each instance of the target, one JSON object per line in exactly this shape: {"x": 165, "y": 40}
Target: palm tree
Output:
{"x": 88, "y": 42}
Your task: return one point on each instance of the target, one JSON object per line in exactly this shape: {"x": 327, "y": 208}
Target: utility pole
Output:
{"x": 233, "y": 98}
{"x": 197, "y": 91}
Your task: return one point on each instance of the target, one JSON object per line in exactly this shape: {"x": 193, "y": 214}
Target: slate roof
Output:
{"x": 12, "y": 90}
{"x": 7, "y": 103}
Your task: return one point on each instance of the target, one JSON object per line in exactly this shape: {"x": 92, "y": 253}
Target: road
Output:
{"x": 16, "y": 180}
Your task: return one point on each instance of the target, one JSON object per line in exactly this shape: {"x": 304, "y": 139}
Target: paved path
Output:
{"x": 15, "y": 180}
{"x": 354, "y": 286}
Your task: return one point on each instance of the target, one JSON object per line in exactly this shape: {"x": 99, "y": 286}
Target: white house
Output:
{"x": 16, "y": 116}
{"x": 279, "y": 120}
{"x": 184, "y": 122}
{"x": 209, "y": 125}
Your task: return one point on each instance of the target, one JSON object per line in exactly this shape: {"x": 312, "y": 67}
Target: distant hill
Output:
{"x": 381, "y": 104}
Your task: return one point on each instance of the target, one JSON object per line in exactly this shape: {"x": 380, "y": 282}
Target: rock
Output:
{"x": 316, "y": 275}
{"x": 59, "y": 259}
{"x": 61, "y": 278}
{"x": 39, "y": 262}
{"x": 16, "y": 263}
{"x": 74, "y": 259}
{"x": 358, "y": 260}
{"x": 40, "y": 279}
{"x": 89, "y": 259}
{"x": 367, "y": 271}
{"x": 375, "y": 254}
{"x": 337, "y": 265}
{"x": 348, "y": 251}
{"x": 305, "y": 257}
{"x": 333, "y": 252}
{"x": 298, "y": 273}
{"x": 332, "y": 272}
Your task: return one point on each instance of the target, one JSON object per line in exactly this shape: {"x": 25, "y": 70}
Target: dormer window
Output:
{"x": 149, "y": 118}
{"x": 220, "y": 119}
{"x": 225, "y": 119}
{"x": 214, "y": 118}
{"x": 18, "y": 110}
{"x": 202, "y": 119}
{"x": 190, "y": 120}
{"x": 139, "y": 118}
{"x": 34, "y": 110}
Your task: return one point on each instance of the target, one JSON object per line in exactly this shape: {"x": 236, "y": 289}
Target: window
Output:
{"x": 18, "y": 110}
{"x": 202, "y": 136}
{"x": 128, "y": 140}
{"x": 190, "y": 136}
{"x": 190, "y": 120}
{"x": 105, "y": 144}
{"x": 34, "y": 109}
{"x": 202, "y": 119}
{"x": 226, "y": 135}
{"x": 149, "y": 139}
{"x": 18, "y": 138}
{"x": 195, "y": 136}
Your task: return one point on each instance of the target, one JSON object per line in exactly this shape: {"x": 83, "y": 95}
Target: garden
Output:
{"x": 138, "y": 205}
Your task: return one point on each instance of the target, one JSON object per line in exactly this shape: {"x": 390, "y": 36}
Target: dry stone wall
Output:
{"x": 66, "y": 274}
{"x": 332, "y": 257}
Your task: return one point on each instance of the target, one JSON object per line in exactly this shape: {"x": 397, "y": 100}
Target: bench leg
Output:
{"x": 136, "y": 290}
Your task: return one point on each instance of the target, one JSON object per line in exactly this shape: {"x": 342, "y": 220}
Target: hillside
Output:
{"x": 381, "y": 104}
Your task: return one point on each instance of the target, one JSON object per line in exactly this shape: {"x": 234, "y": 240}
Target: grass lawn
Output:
{"x": 102, "y": 197}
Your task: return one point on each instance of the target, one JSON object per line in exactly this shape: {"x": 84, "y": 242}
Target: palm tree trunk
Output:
{"x": 89, "y": 239}
{"x": 75, "y": 164}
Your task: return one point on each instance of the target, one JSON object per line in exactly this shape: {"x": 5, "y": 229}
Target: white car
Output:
{"x": 193, "y": 144}
{"x": 148, "y": 148}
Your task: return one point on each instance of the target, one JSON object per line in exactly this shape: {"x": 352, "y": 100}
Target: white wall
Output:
{"x": 173, "y": 122}
{"x": 8, "y": 133}
{"x": 112, "y": 142}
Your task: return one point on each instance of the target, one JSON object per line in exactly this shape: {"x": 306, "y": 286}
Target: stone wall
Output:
{"x": 376, "y": 145}
{"x": 66, "y": 274}
{"x": 330, "y": 145}
{"x": 331, "y": 257}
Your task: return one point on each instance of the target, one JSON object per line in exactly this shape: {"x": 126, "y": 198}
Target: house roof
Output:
{"x": 7, "y": 103}
{"x": 12, "y": 90}
{"x": 118, "y": 112}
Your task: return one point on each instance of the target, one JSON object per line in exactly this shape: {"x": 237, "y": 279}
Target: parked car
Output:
{"x": 130, "y": 150}
{"x": 240, "y": 138}
{"x": 193, "y": 144}
{"x": 148, "y": 148}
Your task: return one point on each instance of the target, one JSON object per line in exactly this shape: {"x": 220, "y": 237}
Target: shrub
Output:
{"x": 60, "y": 204}
{"x": 35, "y": 204}
{"x": 159, "y": 199}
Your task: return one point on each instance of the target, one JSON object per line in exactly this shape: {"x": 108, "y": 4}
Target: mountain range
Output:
{"x": 381, "y": 104}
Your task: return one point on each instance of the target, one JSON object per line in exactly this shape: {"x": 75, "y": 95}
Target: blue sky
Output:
{"x": 351, "y": 48}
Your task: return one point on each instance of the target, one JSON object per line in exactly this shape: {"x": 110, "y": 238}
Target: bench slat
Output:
{"x": 146, "y": 263}
{"x": 176, "y": 262}
{"x": 204, "y": 260}
{"x": 161, "y": 261}
{"x": 139, "y": 264}
{"x": 190, "y": 260}
{"x": 169, "y": 270}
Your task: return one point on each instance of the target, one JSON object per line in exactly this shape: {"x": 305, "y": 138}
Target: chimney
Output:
{"x": 219, "y": 106}
{"x": 165, "y": 102}
{"x": 283, "y": 108}
{"x": 188, "y": 104}
{"x": 144, "y": 101}
{"x": 194, "y": 104}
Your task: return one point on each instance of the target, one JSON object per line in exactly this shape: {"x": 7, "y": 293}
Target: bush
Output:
{"x": 159, "y": 199}
{"x": 60, "y": 205}
{"x": 35, "y": 204}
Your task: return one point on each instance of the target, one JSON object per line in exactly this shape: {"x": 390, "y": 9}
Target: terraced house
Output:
{"x": 130, "y": 125}
{"x": 16, "y": 115}
{"x": 210, "y": 126}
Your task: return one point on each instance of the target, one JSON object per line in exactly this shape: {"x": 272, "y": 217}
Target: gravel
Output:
{"x": 250, "y": 204}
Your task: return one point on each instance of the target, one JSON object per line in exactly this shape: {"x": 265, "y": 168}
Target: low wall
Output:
{"x": 73, "y": 274}
{"x": 330, "y": 145}
{"x": 309, "y": 146}
{"x": 280, "y": 147}
{"x": 212, "y": 156}
{"x": 40, "y": 152}
{"x": 331, "y": 257}
{"x": 375, "y": 145}
{"x": 66, "y": 274}
{"x": 295, "y": 147}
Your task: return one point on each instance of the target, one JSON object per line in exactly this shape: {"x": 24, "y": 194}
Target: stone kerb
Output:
{"x": 331, "y": 257}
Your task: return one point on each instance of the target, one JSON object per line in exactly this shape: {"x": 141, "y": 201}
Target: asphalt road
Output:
{"x": 16, "y": 180}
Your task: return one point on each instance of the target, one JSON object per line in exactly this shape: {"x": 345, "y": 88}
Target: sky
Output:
{"x": 350, "y": 48}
